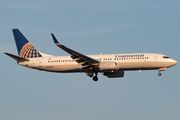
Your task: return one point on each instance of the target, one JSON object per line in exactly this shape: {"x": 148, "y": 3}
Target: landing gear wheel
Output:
{"x": 90, "y": 74}
{"x": 95, "y": 78}
{"x": 159, "y": 74}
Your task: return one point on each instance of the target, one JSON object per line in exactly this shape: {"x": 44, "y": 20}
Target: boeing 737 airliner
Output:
{"x": 111, "y": 65}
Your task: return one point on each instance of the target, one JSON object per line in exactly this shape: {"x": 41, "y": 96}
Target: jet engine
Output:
{"x": 107, "y": 66}
{"x": 114, "y": 74}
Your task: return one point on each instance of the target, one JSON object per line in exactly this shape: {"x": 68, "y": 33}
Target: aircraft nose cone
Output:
{"x": 174, "y": 62}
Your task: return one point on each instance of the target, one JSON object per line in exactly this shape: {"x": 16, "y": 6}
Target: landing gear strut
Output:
{"x": 95, "y": 78}
{"x": 161, "y": 69}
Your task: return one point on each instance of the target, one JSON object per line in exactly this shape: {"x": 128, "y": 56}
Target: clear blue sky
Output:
{"x": 90, "y": 27}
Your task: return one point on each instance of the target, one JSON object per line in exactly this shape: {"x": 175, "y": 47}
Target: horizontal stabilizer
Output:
{"x": 17, "y": 58}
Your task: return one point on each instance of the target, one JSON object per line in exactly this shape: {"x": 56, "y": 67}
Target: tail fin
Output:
{"x": 24, "y": 47}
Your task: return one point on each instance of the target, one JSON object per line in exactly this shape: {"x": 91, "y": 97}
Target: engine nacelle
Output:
{"x": 114, "y": 74}
{"x": 107, "y": 66}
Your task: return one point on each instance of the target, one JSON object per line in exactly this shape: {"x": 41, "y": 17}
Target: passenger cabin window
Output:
{"x": 166, "y": 57}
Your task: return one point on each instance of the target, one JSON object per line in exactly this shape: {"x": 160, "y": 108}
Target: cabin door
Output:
{"x": 155, "y": 58}
{"x": 40, "y": 62}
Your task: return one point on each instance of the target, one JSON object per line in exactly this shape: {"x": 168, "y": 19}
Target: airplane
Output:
{"x": 111, "y": 65}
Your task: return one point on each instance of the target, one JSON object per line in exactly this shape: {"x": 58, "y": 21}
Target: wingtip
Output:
{"x": 7, "y": 53}
{"x": 55, "y": 39}
{"x": 15, "y": 29}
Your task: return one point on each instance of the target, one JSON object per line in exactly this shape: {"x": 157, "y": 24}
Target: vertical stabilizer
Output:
{"x": 24, "y": 47}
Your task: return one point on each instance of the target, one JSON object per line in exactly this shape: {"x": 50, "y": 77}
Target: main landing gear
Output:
{"x": 90, "y": 74}
{"x": 95, "y": 78}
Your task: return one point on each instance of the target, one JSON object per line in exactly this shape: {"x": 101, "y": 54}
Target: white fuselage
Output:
{"x": 134, "y": 61}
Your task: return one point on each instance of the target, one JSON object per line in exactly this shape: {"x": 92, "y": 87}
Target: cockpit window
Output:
{"x": 166, "y": 57}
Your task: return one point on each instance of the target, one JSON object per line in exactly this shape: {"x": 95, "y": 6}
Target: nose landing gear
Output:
{"x": 159, "y": 73}
{"x": 161, "y": 69}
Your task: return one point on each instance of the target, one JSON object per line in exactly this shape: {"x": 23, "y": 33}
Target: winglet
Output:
{"x": 55, "y": 40}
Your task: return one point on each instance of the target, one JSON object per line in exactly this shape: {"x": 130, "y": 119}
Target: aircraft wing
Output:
{"x": 84, "y": 60}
